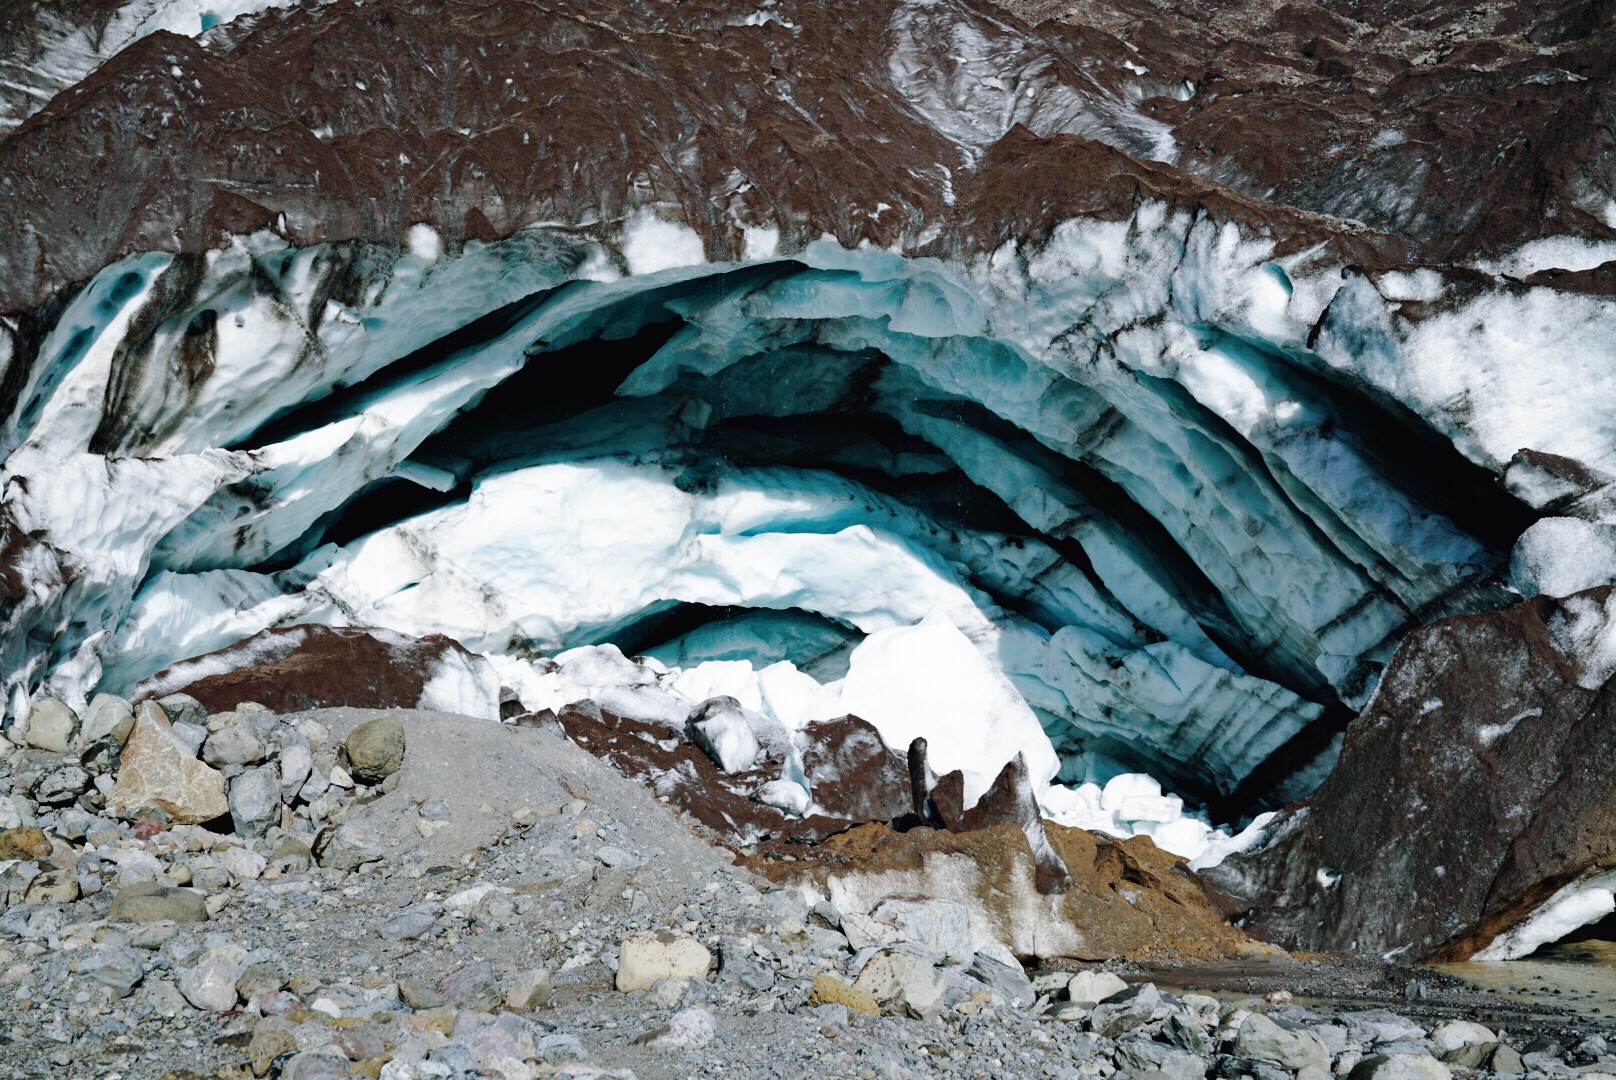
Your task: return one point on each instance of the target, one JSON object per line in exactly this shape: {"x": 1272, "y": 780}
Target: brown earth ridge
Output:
{"x": 1431, "y": 135}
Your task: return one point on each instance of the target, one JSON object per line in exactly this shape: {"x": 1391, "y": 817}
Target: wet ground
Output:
{"x": 1571, "y": 985}
{"x": 1579, "y": 977}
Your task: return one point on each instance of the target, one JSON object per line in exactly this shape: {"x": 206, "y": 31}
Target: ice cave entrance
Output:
{"x": 1016, "y": 507}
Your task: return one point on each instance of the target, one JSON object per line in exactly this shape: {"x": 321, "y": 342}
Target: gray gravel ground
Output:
{"x": 484, "y": 941}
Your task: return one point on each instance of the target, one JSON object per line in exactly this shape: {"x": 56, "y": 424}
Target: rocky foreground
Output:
{"x": 423, "y": 895}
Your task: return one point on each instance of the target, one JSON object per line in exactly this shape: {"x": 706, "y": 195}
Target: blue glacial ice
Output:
{"x": 1145, "y": 473}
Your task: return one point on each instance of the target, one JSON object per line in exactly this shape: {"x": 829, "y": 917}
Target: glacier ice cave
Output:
{"x": 1147, "y": 501}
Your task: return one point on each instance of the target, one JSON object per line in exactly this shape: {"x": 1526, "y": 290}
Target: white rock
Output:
{"x": 864, "y": 932}
{"x": 51, "y": 725}
{"x": 1263, "y": 1039}
{"x": 727, "y": 738}
{"x": 1400, "y": 1067}
{"x": 904, "y": 977}
{"x": 1094, "y": 986}
{"x": 1459, "y": 1033}
{"x": 108, "y": 717}
{"x": 210, "y": 983}
{"x": 647, "y": 956}
{"x": 242, "y": 864}
{"x": 787, "y": 795}
{"x": 689, "y": 1029}
{"x": 296, "y": 764}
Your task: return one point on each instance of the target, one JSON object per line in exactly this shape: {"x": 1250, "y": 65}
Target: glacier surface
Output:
{"x": 1148, "y": 502}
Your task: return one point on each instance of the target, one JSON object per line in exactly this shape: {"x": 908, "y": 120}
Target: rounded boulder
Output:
{"x": 375, "y": 750}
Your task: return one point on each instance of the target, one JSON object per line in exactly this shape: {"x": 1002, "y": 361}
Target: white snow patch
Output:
{"x": 1421, "y": 285}
{"x": 760, "y": 242}
{"x": 930, "y": 681}
{"x": 1491, "y": 733}
{"x": 651, "y": 244}
{"x": 1559, "y": 556}
{"x": 1573, "y": 907}
{"x": 1552, "y": 253}
{"x": 425, "y": 243}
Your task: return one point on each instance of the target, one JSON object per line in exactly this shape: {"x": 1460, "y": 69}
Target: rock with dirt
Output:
{"x": 375, "y": 749}
{"x": 312, "y": 667}
{"x": 1472, "y": 788}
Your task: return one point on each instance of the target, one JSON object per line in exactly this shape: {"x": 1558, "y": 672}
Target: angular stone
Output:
{"x": 61, "y": 785}
{"x": 1010, "y": 983}
{"x": 270, "y": 1039}
{"x": 322, "y": 1063}
{"x": 158, "y": 772}
{"x": 233, "y": 745}
{"x": 1506, "y": 1061}
{"x": 108, "y": 717}
{"x": 688, "y": 1029}
{"x": 262, "y": 977}
{"x": 183, "y": 709}
{"x": 148, "y": 902}
{"x": 1462, "y": 1043}
{"x": 409, "y": 924}
{"x": 864, "y": 932}
{"x": 908, "y": 981}
{"x": 852, "y": 772}
{"x": 51, "y": 725}
{"x": 375, "y": 749}
{"x": 349, "y": 845}
{"x": 472, "y": 986}
{"x": 1265, "y": 1040}
{"x": 1399, "y": 1067}
{"x": 1142, "y": 1057}
{"x": 297, "y": 761}
{"x": 649, "y": 955}
{"x": 941, "y": 927}
{"x": 292, "y": 856}
{"x": 242, "y": 864}
{"x": 829, "y": 990}
{"x": 53, "y": 887}
{"x": 27, "y": 842}
{"x": 417, "y": 994}
{"x": 210, "y": 983}
{"x": 1130, "y": 1009}
{"x": 255, "y": 800}
{"x": 118, "y": 968}
{"x": 528, "y": 989}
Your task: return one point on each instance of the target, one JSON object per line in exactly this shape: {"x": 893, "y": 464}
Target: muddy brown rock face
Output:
{"x": 1475, "y": 785}
{"x": 852, "y": 771}
{"x": 1452, "y": 130}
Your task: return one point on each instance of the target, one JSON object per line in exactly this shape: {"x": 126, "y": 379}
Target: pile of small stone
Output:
{"x": 280, "y": 789}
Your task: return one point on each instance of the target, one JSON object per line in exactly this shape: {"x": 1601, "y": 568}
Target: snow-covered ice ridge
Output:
{"x": 1182, "y": 493}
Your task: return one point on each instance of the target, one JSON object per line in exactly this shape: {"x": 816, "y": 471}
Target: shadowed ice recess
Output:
{"x": 1143, "y": 498}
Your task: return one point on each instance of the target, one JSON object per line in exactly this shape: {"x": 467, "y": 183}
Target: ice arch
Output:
{"x": 1123, "y": 462}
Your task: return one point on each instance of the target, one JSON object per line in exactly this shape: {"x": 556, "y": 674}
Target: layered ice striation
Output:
{"x": 1146, "y": 497}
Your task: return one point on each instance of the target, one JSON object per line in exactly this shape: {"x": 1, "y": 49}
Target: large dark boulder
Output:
{"x": 853, "y": 773}
{"x": 1476, "y": 784}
